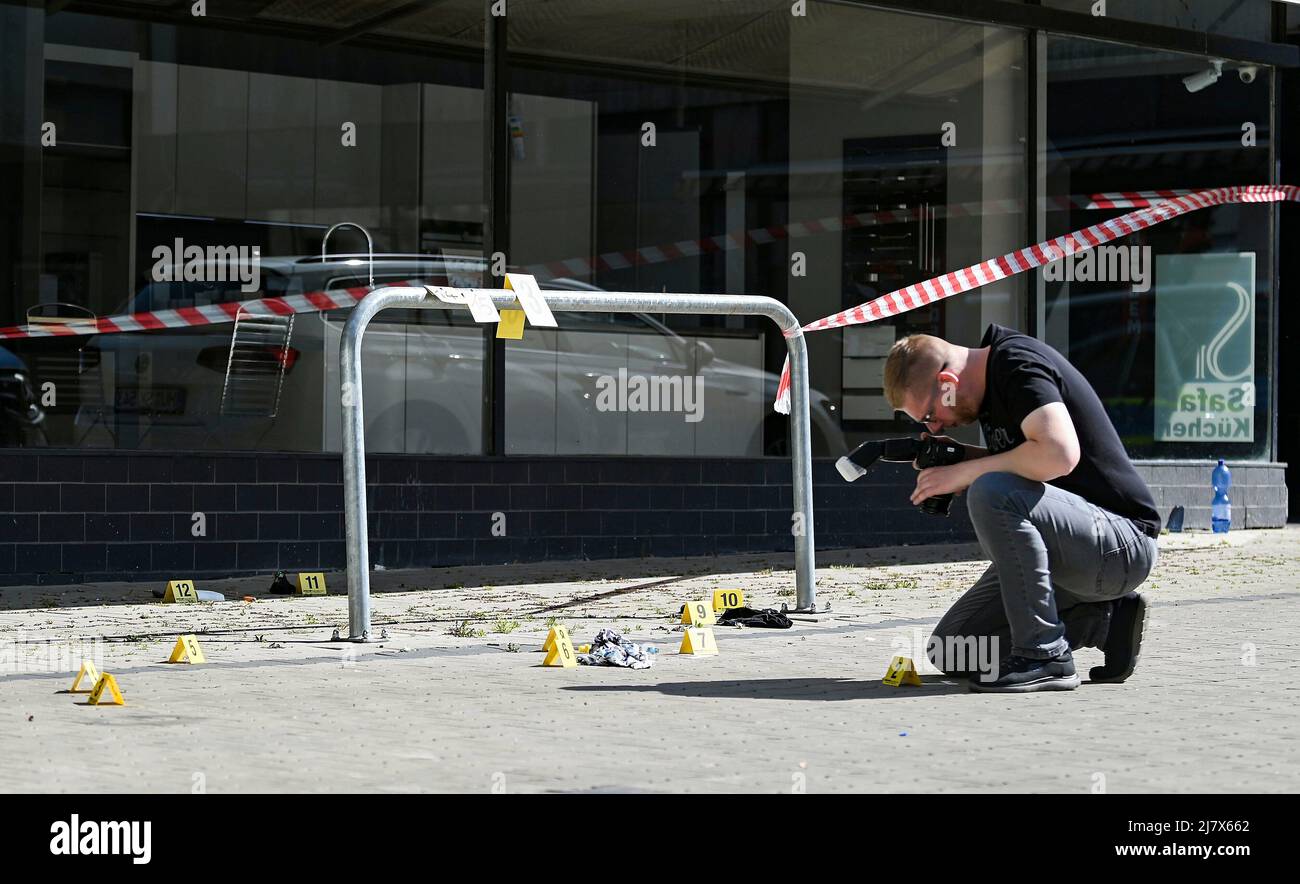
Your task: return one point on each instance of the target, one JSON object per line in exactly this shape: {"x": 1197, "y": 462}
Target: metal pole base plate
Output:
{"x": 824, "y": 609}
{"x": 364, "y": 638}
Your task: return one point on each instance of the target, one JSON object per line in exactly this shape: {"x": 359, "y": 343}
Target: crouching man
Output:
{"x": 1057, "y": 506}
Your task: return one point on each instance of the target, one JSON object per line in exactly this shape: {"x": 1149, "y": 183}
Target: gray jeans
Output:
{"x": 1058, "y": 563}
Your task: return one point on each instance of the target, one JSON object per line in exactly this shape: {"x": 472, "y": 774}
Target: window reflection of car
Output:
{"x": 723, "y": 377}
{"x": 20, "y": 411}
{"x": 168, "y": 385}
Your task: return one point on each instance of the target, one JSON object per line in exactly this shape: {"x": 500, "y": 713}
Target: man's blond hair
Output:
{"x": 913, "y": 362}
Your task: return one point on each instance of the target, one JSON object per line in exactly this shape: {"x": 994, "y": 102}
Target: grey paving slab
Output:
{"x": 281, "y": 707}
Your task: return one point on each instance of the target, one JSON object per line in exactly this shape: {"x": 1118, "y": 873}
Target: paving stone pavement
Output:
{"x": 1213, "y": 707}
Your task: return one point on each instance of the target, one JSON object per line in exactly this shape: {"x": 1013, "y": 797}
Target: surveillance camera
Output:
{"x": 1202, "y": 79}
{"x": 1248, "y": 73}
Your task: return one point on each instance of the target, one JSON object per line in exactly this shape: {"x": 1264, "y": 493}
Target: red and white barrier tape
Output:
{"x": 185, "y": 317}
{"x": 945, "y": 286}
{"x": 739, "y": 239}
{"x": 1129, "y": 199}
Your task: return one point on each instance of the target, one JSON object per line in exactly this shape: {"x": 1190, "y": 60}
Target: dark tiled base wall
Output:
{"x": 70, "y": 517}
{"x": 74, "y": 517}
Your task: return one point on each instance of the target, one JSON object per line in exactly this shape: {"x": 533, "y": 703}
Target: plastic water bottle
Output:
{"x": 1221, "y": 509}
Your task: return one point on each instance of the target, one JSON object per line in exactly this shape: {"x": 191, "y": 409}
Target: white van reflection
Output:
{"x": 423, "y": 376}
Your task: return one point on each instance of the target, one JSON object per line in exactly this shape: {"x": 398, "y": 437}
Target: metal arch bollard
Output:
{"x": 354, "y": 466}
{"x": 354, "y": 451}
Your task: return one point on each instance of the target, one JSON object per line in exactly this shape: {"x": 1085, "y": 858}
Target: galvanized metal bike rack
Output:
{"x": 354, "y": 454}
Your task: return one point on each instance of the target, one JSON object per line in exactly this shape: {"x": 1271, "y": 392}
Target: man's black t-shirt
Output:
{"x": 1024, "y": 374}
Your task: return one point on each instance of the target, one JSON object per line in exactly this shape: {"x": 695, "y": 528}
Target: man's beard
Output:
{"x": 964, "y": 414}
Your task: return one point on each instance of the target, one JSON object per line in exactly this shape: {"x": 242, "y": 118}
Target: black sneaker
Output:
{"x": 1020, "y": 675}
{"x": 1124, "y": 642}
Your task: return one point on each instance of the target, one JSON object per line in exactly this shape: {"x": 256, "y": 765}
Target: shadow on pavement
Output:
{"x": 788, "y": 689}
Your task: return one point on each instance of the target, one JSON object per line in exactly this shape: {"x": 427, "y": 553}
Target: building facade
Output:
{"x": 163, "y": 162}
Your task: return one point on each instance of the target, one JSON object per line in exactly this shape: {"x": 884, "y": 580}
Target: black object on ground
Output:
{"x": 281, "y": 585}
{"x": 768, "y": 618}
{"x": 1175, "y": 523}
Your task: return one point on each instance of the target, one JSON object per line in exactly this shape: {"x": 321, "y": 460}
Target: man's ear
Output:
{"x": 949, "y": 381}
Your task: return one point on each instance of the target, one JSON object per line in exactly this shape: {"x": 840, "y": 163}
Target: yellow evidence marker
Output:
{"x": 698, "y": 642}
{"x": 902, "y": 671}
{"x": 511, "y": 326}
{"x": 698, "y": 614}
{"x": 311, "y": 583}
{"x": 726, "y": 599}
{"x": 88, "y": 671}
{"x": 181, "y": 591}
{"x": 559, "y": 648}
{"x": 106, "y": 681}
{"x": 187, "y": 650}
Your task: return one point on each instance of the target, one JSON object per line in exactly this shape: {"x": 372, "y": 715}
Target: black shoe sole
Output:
{"x": 1046, "y": 683}
{"x": 1100, "y": 675}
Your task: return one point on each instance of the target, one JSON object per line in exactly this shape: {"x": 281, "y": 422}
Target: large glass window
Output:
{"x": 1173, "y": 324}
{"x": 917, "y": 147}
{"x": 735, "y": 147}
{"x": 640, "y": 141}
{"x": 189, "y": 163}
{"x": 715, "y": 146}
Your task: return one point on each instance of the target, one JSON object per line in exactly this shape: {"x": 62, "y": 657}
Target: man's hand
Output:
{"x": 1050, "y": 450}
{"x": 933, "y": 481}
